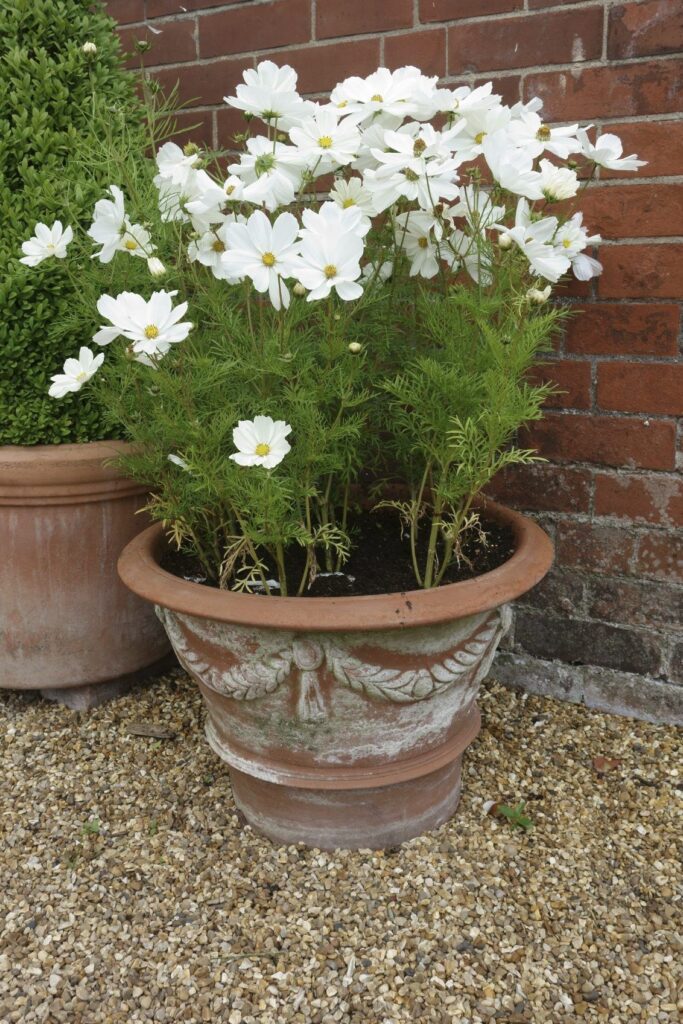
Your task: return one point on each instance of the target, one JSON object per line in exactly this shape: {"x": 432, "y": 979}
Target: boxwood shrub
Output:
{"x": 47, "y": 89}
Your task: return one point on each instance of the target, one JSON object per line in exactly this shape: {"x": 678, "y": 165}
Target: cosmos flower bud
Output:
{"x": 539, "y": 295}
{"x": 355, "y": 347}
{"x": 299, "y": 289}
{"x": 504, "y": 240}
{"x": 155, "y": 267}
{"x": 89, "y": 49}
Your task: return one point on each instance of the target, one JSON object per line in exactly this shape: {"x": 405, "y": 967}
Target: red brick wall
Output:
{"x": 611, "y": 495}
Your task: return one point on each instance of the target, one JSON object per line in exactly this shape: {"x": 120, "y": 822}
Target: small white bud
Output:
{"x": 299, "y": 289}
{"x": 539, "y": 295}
{"x": 155, "y": 267}
{"x": 89, "y": 49}
{"x": 355, "y": 347}
{"x": 505, "y": 240}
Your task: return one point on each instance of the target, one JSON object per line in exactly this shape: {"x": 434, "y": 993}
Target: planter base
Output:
{"x": 348, "y": 819}
{"x": 92, "y": 695}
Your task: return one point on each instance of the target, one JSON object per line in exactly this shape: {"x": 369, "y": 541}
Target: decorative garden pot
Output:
{"x": 68, "y": 627}
{"x": 343, "y": 720}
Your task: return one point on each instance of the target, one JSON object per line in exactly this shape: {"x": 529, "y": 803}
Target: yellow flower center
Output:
{"x": 543, "y": 133}
{"x": 343, "y": 103}
{"x": 423, "y": 243}
{"x": 479, "y": 138}
{"x": 80, "y": 377}
{"x": 151, "y": 331}
{"x": 131, "y": 244}
{"x": 262, "y": 449}
{"x": 566, "y": 243}
{"x": 377, "y": 98}
{"x": 348, "y": 202}
{"x": 229, "y": 189}
{"x": 410, "y": 174}
{"x": 325, "y": 141}
{"x": 330, "y": 270}
{"x": 269, "y": 259}
{"x": 218, "y": 246}
{"x": 419, "y": 146}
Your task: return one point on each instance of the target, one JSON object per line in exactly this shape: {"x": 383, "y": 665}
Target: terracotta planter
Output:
{"x": 68, "y": 627}
{"x": 343, "y": 720}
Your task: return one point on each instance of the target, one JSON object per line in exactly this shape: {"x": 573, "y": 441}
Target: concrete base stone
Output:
{"x": 605, "y": 689}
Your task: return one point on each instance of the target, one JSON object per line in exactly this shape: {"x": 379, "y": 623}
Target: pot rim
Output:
{"x": 140, "y": 570}
{"x": 51, "y": 474}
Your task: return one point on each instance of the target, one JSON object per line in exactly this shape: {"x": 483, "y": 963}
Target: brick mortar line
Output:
{"x": 586, "y": 519}
{"x": 581, "y": 5}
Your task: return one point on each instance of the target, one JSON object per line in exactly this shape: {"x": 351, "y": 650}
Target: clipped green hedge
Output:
{"x": 46, "y": 105}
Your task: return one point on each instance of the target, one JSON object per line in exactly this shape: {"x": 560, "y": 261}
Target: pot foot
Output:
{"x": 92, "y": 695}
{"x": 349, "y": 819}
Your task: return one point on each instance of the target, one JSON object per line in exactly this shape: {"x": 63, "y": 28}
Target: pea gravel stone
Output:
{"x": 131, "y": 890}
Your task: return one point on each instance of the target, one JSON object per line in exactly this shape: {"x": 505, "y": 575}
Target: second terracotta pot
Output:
{"x": 343, "y": 720}
{"x": 68, "y": 627}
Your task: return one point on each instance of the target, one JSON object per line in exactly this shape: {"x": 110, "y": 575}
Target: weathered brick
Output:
{"x": 604, "y": 440}
{"x": 634, "y": 211}
{"x": 571, "y": 377}
{"x": 560, "y": 37}
{"x": 126, "y": 11}
{"x": 321, "y": 67}
{"x": 175, "y": 44}
{"x": 354, "y": 17}
{"x": 641, "y": 271}
{"x": 587, "y": 642}
{"x": 255, "y": 27}
{"x": 644, "y": 29}
{"x": 560, "y": 592}
{"x": 660, "y": 556}
{"x": 425, "y": 49}
{"x": 542, "y": 488}
{"x": 593, "y": 546}
{"x": 635, "y": 602}
{"x": 645, "y": 497}
{"x": 651, "y": 87}
{"x": 452, "y": 10}
{"x": 195, "y": 126}
{"x": 641, "y": 387}
{"x": 677, "y": 663}
{"x": 620, "y": 329}
{"x": 658, "y": 142}
{"x": 157, "y": 8}
{"x": 204, "y": 85}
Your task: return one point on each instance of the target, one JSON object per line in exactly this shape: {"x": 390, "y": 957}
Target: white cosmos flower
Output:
{"x": 233, "y": 188}
{"x": 528, "y": 132}
{"x": 384, "y": 92}
{"x": 269, "y": 92}
{"x": 271, "y": 172}
{"x": 177, "y": 461}
{"x": 156, "y": 267}
{"x": 512, "y": 168}
{"x": 415, "y": 234}
{"x": 261, "y": 442}
{"x": 206, "y": 207}
{"x": 173, "y": 164}
{"x": 535, "y": 239}
{"x": 474, "y": 254}
{"x": 607, "y": 152}
{"x": 76, "y": 373}
{"x": 351, "y": 193}
{"x": 464, "y": 100}
{"x": 176, "y": 197}
{"x": 557, "y": 182}
{"x": 571, "y": 239}
{"x": 136, "y": 241}
{"x": 414, "y": 166}
{"x": 151, "y": 326}
{"x": 264, "y": 252}
{"x": 539, "y": 296}
{"x": 480, "y": 121}
{"x": 46, "y": 242}
{"x": 326, "y": 142}
{"x": 109, "y": 224}
{"x": 330, "y": 252}
{"x": 372, "y": 138}
{"x": 210, "y": 247}
{"x": 376, "y": 273}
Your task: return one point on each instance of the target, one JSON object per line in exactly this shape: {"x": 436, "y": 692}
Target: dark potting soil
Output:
{"x": 380, "y": 559}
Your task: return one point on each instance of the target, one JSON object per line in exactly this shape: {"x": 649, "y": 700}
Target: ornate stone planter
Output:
{"x": 68, "y": 627}
{"x": 343, "y": 720}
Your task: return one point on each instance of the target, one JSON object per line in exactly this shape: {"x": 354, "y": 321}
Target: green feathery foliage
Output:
{"x": 53, "y": 95}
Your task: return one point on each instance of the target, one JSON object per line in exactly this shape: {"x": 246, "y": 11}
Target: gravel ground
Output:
{"x": 130, "y": 889}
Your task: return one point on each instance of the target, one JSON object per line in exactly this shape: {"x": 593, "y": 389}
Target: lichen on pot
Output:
{"x": 343, "y": 720}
